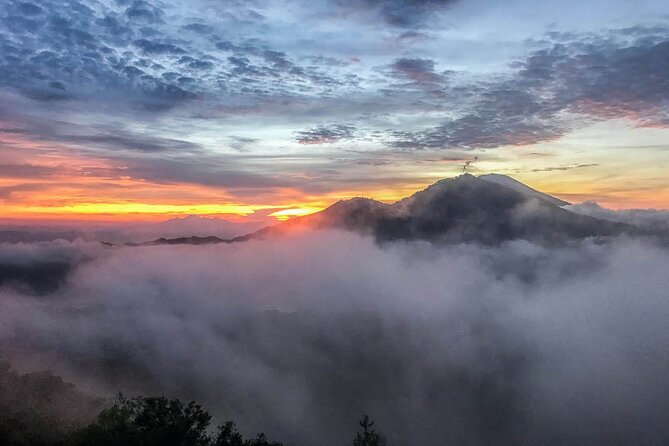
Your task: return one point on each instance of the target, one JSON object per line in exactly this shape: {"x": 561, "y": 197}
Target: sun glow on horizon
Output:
{"x": 286, "y": 214}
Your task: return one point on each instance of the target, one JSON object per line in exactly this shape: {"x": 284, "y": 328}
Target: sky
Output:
{"x": 144, "y": 109}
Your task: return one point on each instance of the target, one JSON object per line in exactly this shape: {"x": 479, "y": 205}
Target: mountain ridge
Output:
{"x": 512, "y": 183}
{"x": 452, "y": 210}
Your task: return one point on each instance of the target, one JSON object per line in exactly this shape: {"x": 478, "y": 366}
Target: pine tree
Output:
{"x": 368, "y": 436}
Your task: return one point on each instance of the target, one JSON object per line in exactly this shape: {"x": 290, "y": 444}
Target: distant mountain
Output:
{"x": 182, "y": 228}
{"x": 488, "y": 210}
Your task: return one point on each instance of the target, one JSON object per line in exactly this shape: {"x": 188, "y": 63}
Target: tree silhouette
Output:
{"x": 368, "y": 436}
{"x": 150, "y": 421}
{"x": 228, "y": 436}
{"x": 157, "y": 421}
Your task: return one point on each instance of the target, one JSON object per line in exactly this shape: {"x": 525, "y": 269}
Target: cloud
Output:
{"x": 578, "y": 80}
{"x": 198, "y": 28}
{"x": 152, "y": 47}
{"x": 398, "y": 13}
{"x": 605, "y": 77}
{"x": 145, "y": 11}
{"x": 655, "y": 219}
{"x": 326, "y": 134}
{"x": 40, "y": 267}
{"x": 29, "y": 9}
{"x": 26, "y": 171}
{"x": 8, "y": 192}
{"x": 417, "y": 72}
{"x": 517, "y": 344}
{"x": 562, "y": 168}
{"x": 100, "y": 137}
{"x": 170, "y": 78}
{"x": 241, "y": 143}
{"x": 129, "y": 141}
{"x": 99, "y": 55}
{"x": 77, "y": 56}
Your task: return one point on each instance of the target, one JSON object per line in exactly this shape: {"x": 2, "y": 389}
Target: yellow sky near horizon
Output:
{"x": 610, "y": 163}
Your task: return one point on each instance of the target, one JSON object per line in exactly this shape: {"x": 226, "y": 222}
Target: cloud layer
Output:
{"x": 518, "y": 344}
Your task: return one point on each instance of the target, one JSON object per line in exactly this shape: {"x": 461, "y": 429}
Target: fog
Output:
{"x": 657, "y": 219}
{"x": 300, "y": 336}
{"x": 134, "y": 232}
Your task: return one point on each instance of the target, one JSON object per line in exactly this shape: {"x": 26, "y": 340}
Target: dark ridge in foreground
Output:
{"x": 490, "y": 209}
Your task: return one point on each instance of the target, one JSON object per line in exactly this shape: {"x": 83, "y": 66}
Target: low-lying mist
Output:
{"x": 300, "y": 336}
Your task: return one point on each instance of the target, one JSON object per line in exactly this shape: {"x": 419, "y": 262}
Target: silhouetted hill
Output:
{"x": 489, "y": 210}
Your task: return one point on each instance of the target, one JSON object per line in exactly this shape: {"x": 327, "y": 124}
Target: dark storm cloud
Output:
{"x": 326, "y": 134}
{"x": 398, "y": 13}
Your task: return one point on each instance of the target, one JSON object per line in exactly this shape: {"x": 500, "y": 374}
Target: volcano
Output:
{"x": 489, "y": 209}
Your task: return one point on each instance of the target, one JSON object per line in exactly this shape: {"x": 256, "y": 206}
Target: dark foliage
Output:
{"x": 147, "y": 422}
{"x": 40, "y": 408}
{"x": 158, "y": 421}
{"x": 228, "y": 436}
{"x": 368, "y": 436}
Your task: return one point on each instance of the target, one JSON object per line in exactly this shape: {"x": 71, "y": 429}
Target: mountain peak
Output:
{"x": 488, "y": 209}
{"x": 459, "y": 178}
{"x": 512, "y": 183}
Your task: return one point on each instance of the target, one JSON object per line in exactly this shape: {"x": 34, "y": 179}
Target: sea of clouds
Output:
{"x": 299, "y": 336}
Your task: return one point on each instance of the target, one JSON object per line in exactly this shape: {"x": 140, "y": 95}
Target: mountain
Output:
{"x": 470, "y": 209}
{"x": 524, "y": 189}
{"x": 180, "y": 228}
{"x": 487, "y": 210}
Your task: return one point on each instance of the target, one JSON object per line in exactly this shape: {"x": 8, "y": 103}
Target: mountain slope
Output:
{"x": 460, "y": 209}
{"x": 524, "y": 189}
{"x": 469, "y": 209}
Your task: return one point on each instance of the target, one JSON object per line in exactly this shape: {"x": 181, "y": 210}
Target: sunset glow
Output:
{"x": 159, "y": 134}
{"x": 334, "y": 222}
